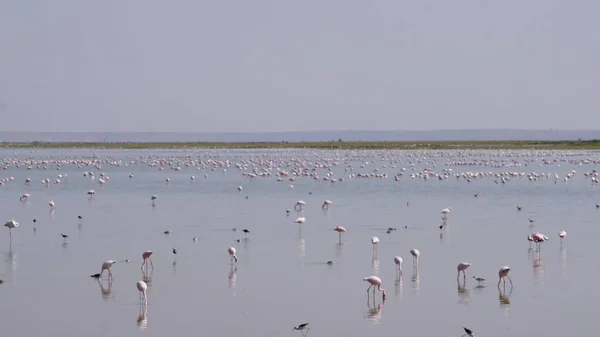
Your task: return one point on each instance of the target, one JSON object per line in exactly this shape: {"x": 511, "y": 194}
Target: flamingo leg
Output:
{"x": 151, "y": 263}
{"x": 143, "y": 263}
{"x": 511, "y": 284}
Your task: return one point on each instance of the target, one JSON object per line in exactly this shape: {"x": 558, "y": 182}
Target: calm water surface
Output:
{"x": 282, "y": 279}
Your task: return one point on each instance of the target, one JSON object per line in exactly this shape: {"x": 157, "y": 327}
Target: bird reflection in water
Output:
{"x": 302, "y": 246}
{"x": 142, "y": 319}
{"x": 463, "y": 292}
{"x": 373, "y": 313}
{"x": 232, "y": 277}
{"x": 375, "y": 266}
{"x": 339, "y": 247}
{"x": 503, "y": 297}
{"x": 563, "y": 260}
{"x": 538, "y": 269}
{"x": 245, "y": 241}
{"x": 415, "y": 280}
{"x": 147, "y": 276}
{"x": 106, "y": 292}
{"x": 398, "y": 286}
{"x": 10, "y": 259}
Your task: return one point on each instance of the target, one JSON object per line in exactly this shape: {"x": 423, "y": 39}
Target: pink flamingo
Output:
{"x": 91, "y": 193}
{"x": 106, "y": 266}
{"x": 142, "y": 288}
{"x": 146, "y": 257}
{"x": 376, "y": 283}
{"x": 538, "y": 238}
{"x": 504, "y": 273}
{"x": 462, "y": 267}
{"x": 398, "y": 261}
{"x": 326, "y": 204}
{"x": 340, "y": 230}
{"x": 232, "y": 255}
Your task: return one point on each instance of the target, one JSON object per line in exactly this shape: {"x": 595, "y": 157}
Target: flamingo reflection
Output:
{"x": 106, "y": 292}
{"x": 503, "y": 297}
{"x": 375, "y": 266}
{"x": 398, "y": 285}
{"x": 147, "y": 277}
{"x": 374, "y": 312}
{"x": 142, "y": 319}
{"x": 232, "y": 277}
{"x": 415, "y": 280}
{"x": 463, "y": 292}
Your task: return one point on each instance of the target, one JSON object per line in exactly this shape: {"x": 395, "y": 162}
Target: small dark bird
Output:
{"x": 301, "y": 328}
{"x": 475, "y": 195}
{"x": 238, "y": 240}
{"x": 391, "y": 229}
{"x": 1, "y": 281}
{"x": 479, "y": 279}
{"x": 441, "y": 226}
{"x": 388, "y": 231}
{"x": 309, "y": 192}
{"x": 531, "y": 220}
{"x": 287, "y": 211}
{"x": 79, "y": 217}
{"x": 96, "y": 276}
{"x": 64, "y": 236}
{"x": 246, "y": 232}
{"x": 34, "y": 220}
{"x": 468, "y": 332}
{"x": 246, "y": 197}
{"x": 174, "y": 256}
{"x": 167, "y": 232}
{"x": 597, "y": 205}
{"x": 330, "y": 263}
{"x": 519, "y": 208}
{"x": 174, "y": 251}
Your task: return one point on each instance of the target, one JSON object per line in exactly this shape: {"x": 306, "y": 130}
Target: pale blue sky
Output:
{"x": 245, "y": 66}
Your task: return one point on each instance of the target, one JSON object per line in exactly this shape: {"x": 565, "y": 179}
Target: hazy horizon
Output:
{"x": 279, "y": 66}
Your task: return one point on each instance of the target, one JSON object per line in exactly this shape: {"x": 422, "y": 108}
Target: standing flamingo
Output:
{"x": 530, "y": 239}
{"x": 51, "y": 203}
{"x": 10, "y": 225}
{"x": 232, "y": 255}
{"x": 415, "y": 254}
{"x": 106, "y": 266}
{"x": 340, "y": 230}
{"x": 445, "y": 212}
{"x": 146, "y": 257}
{"x": 538, "y": 238}
{"x": 504, "y": 273}
{"x": 462, "y": 267}
{"x": 561, "y": 234}
{"x": 326, "y": 204}
{"x": 142, "y": 288}
{"x": 298, "y": 206}
{"x": 374, "y": 241}
{"x": 398, "y": 261}
{"x": 376, "y": 283}
{"x": 24, "y": 197}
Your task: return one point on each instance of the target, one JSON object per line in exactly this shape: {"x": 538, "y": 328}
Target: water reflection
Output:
{"x": 398, "y": 286}
{"x": 538, "y": 269}
{"x": 302, "y": 246}
{"x": 10, "y": 259}
{"x": 463, "y": 292}
{"x": 106, "y": 291}
{"x": 415, "y": 280}
{"x": 147, "y": 276}
{"x": 503, "y": 297}
{"x": 373, "y": 313}
{"x": 142, "y": 319}
{"x": 339, "y": 247}
{"x": 375, "y": 266}
{"x": 563, "y": 260}
{"x": 232, "y": 277}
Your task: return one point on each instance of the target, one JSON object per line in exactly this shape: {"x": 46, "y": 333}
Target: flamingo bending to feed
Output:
{"x": 326, "y": 204}
{"x": 142, "y": 287}
{"x": 300, "y": 220}
{"x": 376, "y": 283}
{"x": 374, "y": 241}
{"x": 538, "y": 238}
{"x": 504, "y": 273}
{"x": 298, "y": 206}
{"x": 462, "y": 267}
{"x": 232, "y": 255}
{"x": 415, "y": 254}
{"x": 106, "y": 266}
{"x": 24, "y": 196}
{"x": 340, "y": 230}
{"x": 445, "y": 212}
{"x": 91, "y": 193}
{"x": 398, "y": 261}
{"x": 146, "y": 257}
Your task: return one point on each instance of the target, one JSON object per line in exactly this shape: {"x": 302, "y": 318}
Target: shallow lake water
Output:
{"x": 281, "y": 279}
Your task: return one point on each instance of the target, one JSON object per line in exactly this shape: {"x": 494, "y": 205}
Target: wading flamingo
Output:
{"x": 10, "y": 225}
{"x": 561, "y": 234}
{"x": 504, "y": 273}
{"x": 462, "y": 267}
{"x": 415, "y": 254}
{"x": 298, "y": 206}
{"x": 106, "y": 266}
{"x": 300, "y": 220}
{"x": 376, "y": 283}
{"x": 398, "y": 261}
{"x": 142, "y": 287}
{"x": 445, "y": 212}
{"x": 326, "y": 204}
{"x": 146, "y": 257}
{"x": 232, "y": 255}
{"x": 24, "y": 197}
{"x": 340, "y": 230}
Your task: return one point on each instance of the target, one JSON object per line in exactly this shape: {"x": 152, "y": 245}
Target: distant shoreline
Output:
{"x": 348, "y": 145}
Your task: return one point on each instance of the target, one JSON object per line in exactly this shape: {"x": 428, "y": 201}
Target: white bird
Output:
{"x": 445, "y": 212}
{"x": 561, "y": 234}
{"x": 142, "y": 287}
{"x": 232, "y": 255}
{"x": 300, "y": 220}
{"x": 462, "y": 267}
{"x": 374, "y": 241}
{"x": 11, "y": 224}
{"x": 398, "y": 261}
{"x": 415, "y": 254}
{"x": 24, "y": 196}
{"x": 51, "y": 203}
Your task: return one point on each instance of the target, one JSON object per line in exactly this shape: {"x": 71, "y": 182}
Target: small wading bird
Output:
{"x": 468, "y": 332}
{"x": 246, "y": 232}
{"x": 64, "y": 236}
{"x": 232, "y": 255}
{"x": 303, "y": 328}
{"x": 502, "y": 273}
{"x": 376, "y": 283}
{"x": 479, "y": 279}
{"x": 340, "y": 230}
{"x": 146, "y": 257}
{"x": 174, "y": 256}
{"x": 142, "y": 287}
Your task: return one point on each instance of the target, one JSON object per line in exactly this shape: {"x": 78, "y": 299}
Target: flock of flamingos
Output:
{"x": 289, "y": 169}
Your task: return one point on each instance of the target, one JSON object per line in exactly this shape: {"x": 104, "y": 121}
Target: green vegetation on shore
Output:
{"x": 339, "y": 144}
